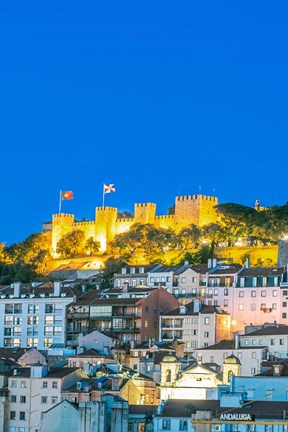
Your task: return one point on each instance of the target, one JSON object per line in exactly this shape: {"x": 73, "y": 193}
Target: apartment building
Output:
{"x": 133, "y": 275}
{"x": 34, "y": 316}
{"x": 131, "y": 314}
{"x": 35, "y": 390}
{"x": 196, "y": 324}
{"x": 274, "y": 337}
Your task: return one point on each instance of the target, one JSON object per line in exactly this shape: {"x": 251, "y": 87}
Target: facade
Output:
{"x": 132, "y": 315}
{"x": 197, "y": 381}
{"x": 249, "y": 294}
{"x": 273, "y": 337}
{"x": 250, "y": 356}
{"x": 133, "y": 275}
{"x": 34, "y": 316}
{"x": 196, "y": 325}
{"x": 35, "y": 390}
{"x": 191, "y": 209}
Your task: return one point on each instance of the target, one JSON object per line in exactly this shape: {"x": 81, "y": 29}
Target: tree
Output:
{"x": 213, "y": 234}
{"x": 112, "y": 265}
{"x": 71, "y": 244}
{"x": 189, "y": 237}
{"x": 92, "y": 246}
{"x": 236, "y": 221}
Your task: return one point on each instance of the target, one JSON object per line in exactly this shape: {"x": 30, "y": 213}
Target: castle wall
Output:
{"x": 144, "y": 213}
{"x": 190, "y": 209}
{"x": 105, "y": 220}
{"x": 62, "y": 224}
{"x": 194, "y": 209}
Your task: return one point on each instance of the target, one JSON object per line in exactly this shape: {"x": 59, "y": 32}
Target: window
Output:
{"x": 194, "y": 280}
{"x": 254, "y": 355}
{"x": 274, "y": 306}
{"x": 207, "y": 320}
{"x": 281, "y": 342}
{"x": 22, "y": 415}
{"x": 254, "y": 281}
{"x": 183, "y": 279}
{"x": 227, "y": 282}
{"x": 23, "y": 384}
{"x": 49, "y": 308}
{"x": 240, "y": 306}
{"x": 275, "y": 281}
{"x": 151, "y": 279}
{"x": 54, "y": 384}
{"x": 253, "y": 293}
{"x": 12, "y": 415}
{"x": 13, "y": 384}
{"x": 263, "y": 293}
{"x": 183, "y": 425}
{"x": 45, "y": 384}
{"x": 166, "y": 425}
{"x": 215, "y": 292}
{"x": 242, "y": 282}
{"x": 274, "y": 293}
{"x": 13, "y": 399}
{"x": 253, "y": 306}
{"x": 241, "y": 293}
{"x": 263, "y": 306}
{"x": 264, "y": 281}
{"x": 54, "y": 399}
{"x": 269, "y": 393}
{"x": 284, "y": 304}
{"x": 272, "y": 342}
{"x": 58, "y": 331}
{"x": 260, "y": 341}
{"x": 226, "y": 291}
{"x": 206, "y": 334}
{"x": 49, "y": 319}
{"x": 22, "y": 399}
{"x": 284, "y": 315}
{"x": 225, "y": 303}
{"x": 146, "y": 324}
{"x": 132, "y": 270}
{"x": 44, "y": 399}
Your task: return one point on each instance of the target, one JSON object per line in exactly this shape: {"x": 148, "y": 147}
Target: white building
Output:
{"x": 35, "y": 390}
{"x": 250, "y": 356}
{"x": 273, "y": 337}
{"x": 33, "y": 316}
{"x": 196, "y": 325}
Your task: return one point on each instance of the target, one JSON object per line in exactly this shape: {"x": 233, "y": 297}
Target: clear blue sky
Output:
{"x": 155, "y": 97}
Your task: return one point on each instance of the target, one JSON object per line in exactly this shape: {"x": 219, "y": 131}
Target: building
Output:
{"x": 132, "y": 315}
{"x": 274, "y": 337}
{"x": 190, "y": 209}
{"x": 197, "y": 381}
{"x": 250, "y": 356}
{"x": 35, "y": 390}
{"x": 133, "y": 275}
{"x": 34, "y": 316}
{"x": 196, "y": 325}
{"x": 109, "y": 414}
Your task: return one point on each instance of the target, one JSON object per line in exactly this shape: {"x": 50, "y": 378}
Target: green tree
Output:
{"x": 189, "y": 238}
{"x": 71, "y": 245}
{"x": 92, "y": 246}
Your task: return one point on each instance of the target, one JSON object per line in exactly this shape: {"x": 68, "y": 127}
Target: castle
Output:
{"x": 189, "y": 209}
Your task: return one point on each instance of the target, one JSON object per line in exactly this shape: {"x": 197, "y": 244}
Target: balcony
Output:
{"x": 77, "y": 315}
{"x": 125, "y": 314}
{"x": 125, "y": 329}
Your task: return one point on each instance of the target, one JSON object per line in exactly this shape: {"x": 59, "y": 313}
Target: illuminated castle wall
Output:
{"x": 189, "y": 209}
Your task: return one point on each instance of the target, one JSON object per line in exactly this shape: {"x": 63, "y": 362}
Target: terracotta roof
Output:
{"x": 228, "y": 344}
{"x": 204, "y": 309}
{"x": 116, "y": 301}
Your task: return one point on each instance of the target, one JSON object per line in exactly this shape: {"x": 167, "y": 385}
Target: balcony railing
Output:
{"x": 77, "y": 315}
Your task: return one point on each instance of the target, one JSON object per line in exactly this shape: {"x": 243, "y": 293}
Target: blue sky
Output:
{"x": 156, "y": 97}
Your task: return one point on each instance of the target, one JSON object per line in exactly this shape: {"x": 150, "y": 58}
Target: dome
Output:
{"x": 170, "y": 358}
{"x": 232, "y": 359}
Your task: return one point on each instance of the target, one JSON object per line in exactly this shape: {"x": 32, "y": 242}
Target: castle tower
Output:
{"x": 194, "y": 209}
{"x": 144, "y": 213}
{"x": 105, "y": 218}
{"x": 231, "y": 366}
{"x": 62, "y": 224}
{"x": 169, "y": 370}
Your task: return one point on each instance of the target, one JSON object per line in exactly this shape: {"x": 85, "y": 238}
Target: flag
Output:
{"x": 108, "y": 188}
{"x": 67, "y": 195}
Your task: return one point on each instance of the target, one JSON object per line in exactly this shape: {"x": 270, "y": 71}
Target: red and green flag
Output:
{"x": 66, "y": 195}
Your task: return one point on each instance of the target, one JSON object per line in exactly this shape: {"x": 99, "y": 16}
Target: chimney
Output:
{"x": 209, "y": 263}
{"x": 57, "y": 289}
{"x": 237, "y": 341}
{"x": 247, "y": 262}
{"x": 214, "y": 262}
{"x": 125, "y": 287}
{"x": 17, "y": 289}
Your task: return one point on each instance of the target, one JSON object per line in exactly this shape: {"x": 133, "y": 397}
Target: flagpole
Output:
{"x": 103, "y": 194}
{"x": 60, "y": 200}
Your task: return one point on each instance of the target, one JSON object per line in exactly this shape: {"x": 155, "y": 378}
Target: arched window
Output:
{"x": 168, "y": 375}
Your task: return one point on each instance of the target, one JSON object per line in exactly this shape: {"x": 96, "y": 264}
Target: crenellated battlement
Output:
{"x": 196, "y": 197}
{"x": 122, "y": 220}
{"x": 106, "y": 208}
{"x": 146, "y": 205}
{"x": 171, "y": 217}
{"x": 59, "y": 216}
{"x": 84, "y": 223}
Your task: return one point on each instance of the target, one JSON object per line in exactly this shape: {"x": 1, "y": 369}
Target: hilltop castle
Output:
{"x": 189, "y": 209}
